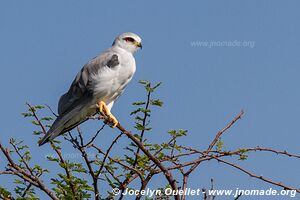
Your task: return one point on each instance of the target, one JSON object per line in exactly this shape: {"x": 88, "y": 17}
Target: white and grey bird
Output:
{"x": 96, "y": 87}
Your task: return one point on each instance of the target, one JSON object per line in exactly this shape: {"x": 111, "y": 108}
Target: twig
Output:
{"x": 142, "y": 131}
{"x": 58, "y": 152}
{"x": 216, "y": 139}
{"x": 21, "y": 158}
{"x": 26, "y": 190}
{"x": 212, "y": 188}
{"x": 266, "y": 149}
{"x": 53, "y": 113}
{"x": 78, "y": 146}
{"x": 118, "y": 162}
{"x": 256, "y": 176}
{"x": 26, "y": 165}
{"x": 107, "y": 153}
{"x": 166, "y": 172}
{"x": 184, "y": 184}
{"x": 113, "y": 175}
{"x": 94, "y": 137}
{"x": 7, "y": 173}
{"x": 144, "y": 184}
{"x": 27, "y": 176}
{"x": 223, "y": 130}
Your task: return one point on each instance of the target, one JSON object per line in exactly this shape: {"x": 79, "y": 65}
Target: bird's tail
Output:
{"x": 45, "y": 139}
{"x": 62, "y": 124}
{"x": 52, "y": 133}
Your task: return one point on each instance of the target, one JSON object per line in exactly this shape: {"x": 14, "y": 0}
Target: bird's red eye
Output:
{"x": 128, "y": 39}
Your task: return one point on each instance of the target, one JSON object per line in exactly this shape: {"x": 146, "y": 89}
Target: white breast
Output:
{"x": 109, "y": 83}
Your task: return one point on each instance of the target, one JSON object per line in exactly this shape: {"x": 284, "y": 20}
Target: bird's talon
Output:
{"x": 113, "y": 121}
{"x": 102, "y": 107}
{"x": 105, "y": 113}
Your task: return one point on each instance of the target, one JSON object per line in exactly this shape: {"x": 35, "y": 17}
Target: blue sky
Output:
{"x": 45, "y": 43}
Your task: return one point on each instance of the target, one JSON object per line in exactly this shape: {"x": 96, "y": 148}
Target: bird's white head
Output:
{"x": 130, "y": 42}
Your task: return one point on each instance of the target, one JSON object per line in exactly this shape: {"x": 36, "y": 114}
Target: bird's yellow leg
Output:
{"x": 105, "y": 112}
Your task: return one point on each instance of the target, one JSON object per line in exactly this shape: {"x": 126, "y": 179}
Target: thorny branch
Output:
{"x": 26, "y": 176}
{"x": 257, "y": 176}
{"x": 144, "y": 124}
{"x": 205, "y": 156}
{"x": 57, "y": 150}
{"x": 81, "y": 147}
{"x": 219, "y": 134}
{"x": 211, "y": 154}
{"x": 158, "y": 163}
{"x": 165, "y": 165}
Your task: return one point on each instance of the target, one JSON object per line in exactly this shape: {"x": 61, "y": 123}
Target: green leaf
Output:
{"x": 139, "y": 118}
{"x": 46, "y": 119}
{"x": 156, "y": 102}
{"x": 149, "y": 89}
{"x": 129, "y": 160}
{"x": 35, "y": 122}
{"x": 155, "y": 147}
{"x": 161, "y": 155}
{"x": 111, "y": 183}
{"x": 220, "y": 144}
{"x": 181, "y": 132}
{"x": 142, "y": 110}
{"x": 135, "y": 111}
{"x": 138, "y": 137}
{"x": 139, "y": 126}
{"x": 157, "y": 85}
{"x": 37, "y": 132}
{"x": 143, "y": 82}
{"x": 51, "y": 158}
{"x": 243, "y": 157}
{"x": 243, "y": 151}
{"x": 172, "y": 133}
{"x": 18, "y": 181}
{"x": 5, "y": 193}
{"x": 39, "y": 107}
{"x": 26, "y": 114}
{"x": 138, "y": 103}
{"x": 22, "y": 147}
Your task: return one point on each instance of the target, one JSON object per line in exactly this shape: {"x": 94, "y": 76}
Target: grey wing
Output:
{"x": 79, "y": 94}
{"x": 76, "y": 91}
{"x": 79, "y": 87}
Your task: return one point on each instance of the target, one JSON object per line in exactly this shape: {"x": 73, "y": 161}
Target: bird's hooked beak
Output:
{"x": 138, "y": 44}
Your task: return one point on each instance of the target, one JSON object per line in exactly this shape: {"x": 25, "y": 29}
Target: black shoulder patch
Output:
{"x": 114, "y": 61}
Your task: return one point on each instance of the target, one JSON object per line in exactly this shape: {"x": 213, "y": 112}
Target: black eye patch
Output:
{"x": 129, "y": 39}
